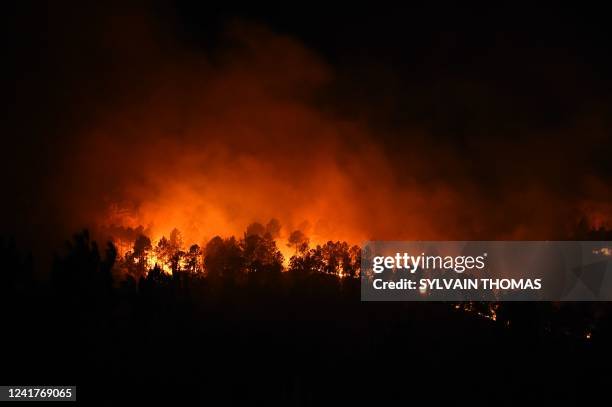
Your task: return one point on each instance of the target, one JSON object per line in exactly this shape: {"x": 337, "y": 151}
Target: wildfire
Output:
{"x": 490, "y": 311}
{"x": 150, "y": 261}
{"x": 209, "y": 142}
{"x": 604, "y": 251}
{"x": 258, "y": 248}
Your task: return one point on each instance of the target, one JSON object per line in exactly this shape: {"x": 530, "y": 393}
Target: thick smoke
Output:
{"x": 161, "y": 134}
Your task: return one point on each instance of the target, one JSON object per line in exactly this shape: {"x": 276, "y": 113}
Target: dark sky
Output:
{"x": 544, "y": 63}
{"x": 479, "y": 101}
{"x": 552, "y": 57}
{"x": 441, "y": 65}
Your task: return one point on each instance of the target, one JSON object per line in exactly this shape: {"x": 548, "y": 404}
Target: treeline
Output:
{"x": 256, "y": 252}
{"x": 234, "y": 319}
{"x": 169, "y": 268}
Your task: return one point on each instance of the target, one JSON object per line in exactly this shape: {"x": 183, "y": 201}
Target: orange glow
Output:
{"x": 210, "y": 146}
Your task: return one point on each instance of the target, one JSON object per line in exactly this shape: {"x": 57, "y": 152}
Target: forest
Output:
{"x": 148, "y": 143}
{"x": 234, "y": 320}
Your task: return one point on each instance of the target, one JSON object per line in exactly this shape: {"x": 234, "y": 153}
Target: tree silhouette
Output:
{"x": 81, "y": 271}
{"x": 192, "y": 259}
{"x": 261, "y": 254}
{"x": 163, "y": 252}
{"x": 223, "y": 258}
{"x": 298, "y": 240}
{"x": 176, "y": 240}
{"x": 233, "y": 300}
{"x": 138, "y": 258}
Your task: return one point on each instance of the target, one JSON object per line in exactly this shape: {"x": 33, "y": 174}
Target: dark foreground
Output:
{"x": 290, "y": 339}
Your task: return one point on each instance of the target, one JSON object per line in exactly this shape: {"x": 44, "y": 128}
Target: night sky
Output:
{"x": 350, "y": 122}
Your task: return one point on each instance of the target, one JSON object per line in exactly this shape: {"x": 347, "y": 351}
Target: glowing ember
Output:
{"x": 604, "y": 251}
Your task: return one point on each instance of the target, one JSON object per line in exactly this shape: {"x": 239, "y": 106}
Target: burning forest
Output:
{"x": 160, "y": 133}
{"x": 226, "y": 164}
{"x": 257, "y": 251}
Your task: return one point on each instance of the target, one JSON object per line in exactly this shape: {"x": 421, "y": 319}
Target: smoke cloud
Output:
{"x": 143, "y": 129}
